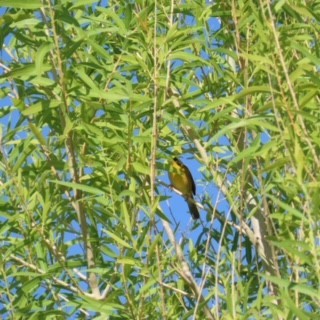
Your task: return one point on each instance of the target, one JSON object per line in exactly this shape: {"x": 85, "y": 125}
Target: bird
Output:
{"x": 181, "y": 179}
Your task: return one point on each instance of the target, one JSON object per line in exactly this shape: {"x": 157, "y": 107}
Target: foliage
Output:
{"x": 97, "y": 97}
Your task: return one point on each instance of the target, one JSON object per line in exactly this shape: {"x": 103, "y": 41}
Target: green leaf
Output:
{"x": 21, "y": 4}
{"x": 141, "y": 168}
{"x": 26, "y": 71}
{"x": 77, "y": 186}
{"x": 40, "y": 56}
{"x": 130, "y": 262}
{"x": 118, "y": 239}
{"x": 248, "y": 153}
{"x": 40, "y": 107}
{"x": 290, "y": 210}
{"x": 82, "y": 3}
{"x": 188, "y": 57}
{"x": 260, "y": 123}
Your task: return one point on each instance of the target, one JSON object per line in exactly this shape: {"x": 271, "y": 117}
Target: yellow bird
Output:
{"x": 181, "y": 179}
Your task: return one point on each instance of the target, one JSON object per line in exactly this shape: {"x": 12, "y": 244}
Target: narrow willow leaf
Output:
{"x": 21, "y": 4}
{"x": 77, "y": 186}
{"x": 248, "y": 153}
{"x": 118, "y": 239}
{"x": 296, "y": 213}
{"x": 40, "y": 107}
{"x": 40, "y": 56}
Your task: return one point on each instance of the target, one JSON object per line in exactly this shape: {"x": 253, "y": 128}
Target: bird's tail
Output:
{"x": 193, "y": 208}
